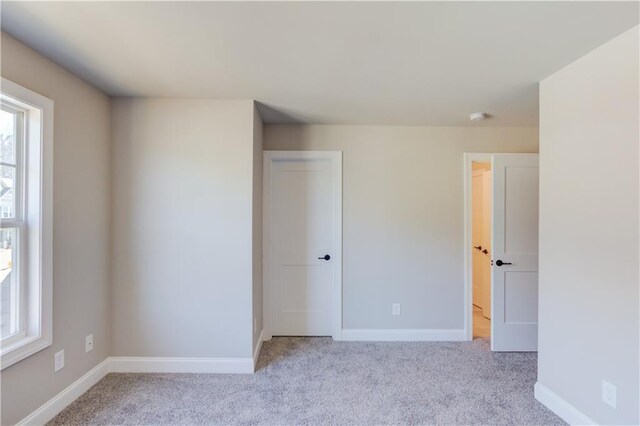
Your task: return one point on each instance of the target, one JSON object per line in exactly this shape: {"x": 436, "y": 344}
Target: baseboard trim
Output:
{"x": 121, "y": 364}
{"x": 59, "y": 402}
{"x": 560, "y": 407}
{"x": 256, "y": 352}
{"x": 403, "y": 335}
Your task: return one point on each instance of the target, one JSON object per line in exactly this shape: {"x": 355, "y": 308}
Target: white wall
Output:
{"x": 403, "y": 215}
{"x": 81, "y": 231}
{"x": 182, "y": 222}
{"x": 589, "y": 194}
{"x": 257, "y": 226}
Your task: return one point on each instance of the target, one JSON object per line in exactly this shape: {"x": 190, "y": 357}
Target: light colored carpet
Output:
{"x": 319, "y": 381}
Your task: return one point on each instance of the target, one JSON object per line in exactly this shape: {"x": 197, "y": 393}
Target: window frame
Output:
{"x": 34, "y": 218}
{"x": 17, "y": 222}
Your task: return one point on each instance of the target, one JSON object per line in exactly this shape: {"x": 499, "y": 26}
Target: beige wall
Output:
{"x": 257, "y": 226}
{"x": 182, "y": 225}
{"x": 81, "y": 231}
{"x": 402, "y": 215}
{"x": 589, "y": 195}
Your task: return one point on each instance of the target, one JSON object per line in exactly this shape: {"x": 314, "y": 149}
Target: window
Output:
{"x": 11, "y": 198}
{"x": 26, "y": 139}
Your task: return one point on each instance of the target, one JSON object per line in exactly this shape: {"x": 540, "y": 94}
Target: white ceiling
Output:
{"x": 400, "y": 63}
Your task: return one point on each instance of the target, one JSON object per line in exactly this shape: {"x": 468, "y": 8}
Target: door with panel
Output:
{"x": 302, "y": 245}
{"x": 514, "y": 320}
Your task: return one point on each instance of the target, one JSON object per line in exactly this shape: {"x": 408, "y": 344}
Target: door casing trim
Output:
{"x": 336, "y": 289}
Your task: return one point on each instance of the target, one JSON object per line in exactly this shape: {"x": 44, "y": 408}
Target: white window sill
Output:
{"x": 13, "y": 340}
{"x": 21, "y": 349}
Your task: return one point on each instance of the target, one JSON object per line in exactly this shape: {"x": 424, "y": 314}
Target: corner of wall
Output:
{"x": 257, "y": 323}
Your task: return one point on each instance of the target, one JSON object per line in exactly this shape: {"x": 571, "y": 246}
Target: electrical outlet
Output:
{"x": 58, "y": 361}
{"x": 395, "y": 309}
{"x": 608, "y": 394}
{"x": 88, "y": 343}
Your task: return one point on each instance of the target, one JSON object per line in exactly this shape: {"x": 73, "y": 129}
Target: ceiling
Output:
{"x": 392, "y": 63}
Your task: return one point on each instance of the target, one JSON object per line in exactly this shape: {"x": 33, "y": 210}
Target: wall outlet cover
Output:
{"x": 395, "y": 309}
{"x": 88, "y": 343}
{"x": 58, "y": 361}
{"x": 609, "y": 394}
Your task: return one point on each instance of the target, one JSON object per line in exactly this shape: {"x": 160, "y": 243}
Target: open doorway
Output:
{"x": 481, "y": 248}
{"x": 501, "y": 250}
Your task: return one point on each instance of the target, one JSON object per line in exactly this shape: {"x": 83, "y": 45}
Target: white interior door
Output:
{"x": 514, "y": 322}
{"x": 303, "y": 243}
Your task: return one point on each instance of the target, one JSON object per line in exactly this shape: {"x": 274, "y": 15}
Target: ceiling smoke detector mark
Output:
{"x": 478, "y": 116}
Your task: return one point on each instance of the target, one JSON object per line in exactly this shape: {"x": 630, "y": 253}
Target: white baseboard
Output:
{"x": 559, "y": 406}
{"x": 256, "y": 352}
{"x": 180, "y": 365}
{"x": 59, "y": 402}
{"x": 403, "y": 335}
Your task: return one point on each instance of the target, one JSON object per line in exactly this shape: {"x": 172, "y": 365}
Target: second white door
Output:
{"x": 303, "y": 242}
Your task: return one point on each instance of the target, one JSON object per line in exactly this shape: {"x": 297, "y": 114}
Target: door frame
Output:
{"x": 469, "y": 158}
{"x": 269, "y": 157}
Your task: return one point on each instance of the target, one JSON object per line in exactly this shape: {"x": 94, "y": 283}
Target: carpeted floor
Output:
{"x": 319, "y": 381}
